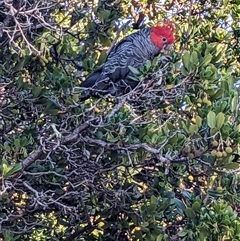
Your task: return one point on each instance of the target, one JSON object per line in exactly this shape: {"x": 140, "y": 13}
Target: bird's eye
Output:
{"x": 164, "y": 40}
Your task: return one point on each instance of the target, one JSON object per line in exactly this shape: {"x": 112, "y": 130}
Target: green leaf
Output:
{"x": 213, "y": 131}
{"x": 9, "y": 236}
{"x": 173, "y": 140}
{"x": 5, "y": 169}
{"x": 214, "y": 193}
{"x": 182, "y": 233}
{"x": 224, "y": 105}
{"x": 184, "y": 126}
{"x": 152, "y": 208}
{"x": 186, "y": 60}
{"x": 218, "y": 94}
{"x": 194, "y": 58}
{"x": 234, "y": 103}
{"x": 147, "y": 65}
{"x": 104, "y": 15}
{"x": 104, "y": 39}
{"x": 17, "y": 143}
{"x": 17, "y": 167}
{"x": 162, "y": 139}
{"x": 203, "y": 235}
{"x": 165, "y": 204}
{"x": 134, "y": 70}
{"x": 193, "y": 129}
{"x": 36, "y": 90}
{"x": 184, "y": 71}
{"x": 19, "y": 65}
{"x": 190, "y": 213}
{"x": 160, "y": 237}
{"x": 6, "y": 146}
{"x": 232, "y": 165}
{"x": 225, "y": 3}
{"x": 133, "y": 218}
{"x": 102, "y": 57}
{"x": 153, "y": 199}
{"x": 111, "y": 138}
{"x": 154, "y": 138}
{"x": 211, "y": 119}
{"x": 198, "y": 121}
{"x": 52, "y": 111}
{"x": 207, "y": 59}
{"x": 196, "y": 206}
{"x": 220, "y": 118}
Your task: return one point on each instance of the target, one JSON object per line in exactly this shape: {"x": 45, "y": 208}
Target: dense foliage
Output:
{"x": 159, "y": 163}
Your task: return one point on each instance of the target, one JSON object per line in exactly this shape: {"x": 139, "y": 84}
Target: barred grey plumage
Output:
{"x": 114, "y": 76}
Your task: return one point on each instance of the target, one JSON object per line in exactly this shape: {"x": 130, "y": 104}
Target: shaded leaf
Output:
{"x": 190, "y": 213}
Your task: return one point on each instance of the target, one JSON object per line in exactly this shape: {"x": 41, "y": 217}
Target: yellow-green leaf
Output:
{"x": 153, "y": 199}
{"x": 198, "y": 121}
{"x": 194, "y": 58}
{"x": 102, "y": 57}
{"x": 234, "y": 103}
{"x": 220, "y": 118}
{"x": 211, "y": 119}
{"x": 207, "y": 59}
{"x": 193, "y": 129}
{"x": 184, "y": 71}
{"x": 233, "y": 165}
{"x": 186, "y": 60}
{"x": 17, "y": 167}
{"x": 159, "y": 237}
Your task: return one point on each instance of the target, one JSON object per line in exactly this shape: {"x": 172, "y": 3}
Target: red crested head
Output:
{"x": 163, "y": 34}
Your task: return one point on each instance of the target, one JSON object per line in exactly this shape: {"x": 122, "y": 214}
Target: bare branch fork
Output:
{"x": 67, "y": 139}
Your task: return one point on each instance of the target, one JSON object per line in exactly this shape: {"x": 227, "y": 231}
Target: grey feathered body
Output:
{"x": 114, "y": 76}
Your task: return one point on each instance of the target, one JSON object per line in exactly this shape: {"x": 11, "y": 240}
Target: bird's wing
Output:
{"x": 92, "y": 78}
{"x": 118, "y": 60}
{"x": 115, "y": 67}
{"x": 124, "y": 54}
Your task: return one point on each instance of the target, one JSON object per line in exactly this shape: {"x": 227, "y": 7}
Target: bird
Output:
{"x": 115, "y": 77}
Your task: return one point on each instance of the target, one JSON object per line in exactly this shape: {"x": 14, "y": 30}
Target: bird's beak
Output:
{"x": 167, "y": 47}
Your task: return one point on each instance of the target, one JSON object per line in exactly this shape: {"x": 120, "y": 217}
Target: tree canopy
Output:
{"x": 160, "y": 163}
